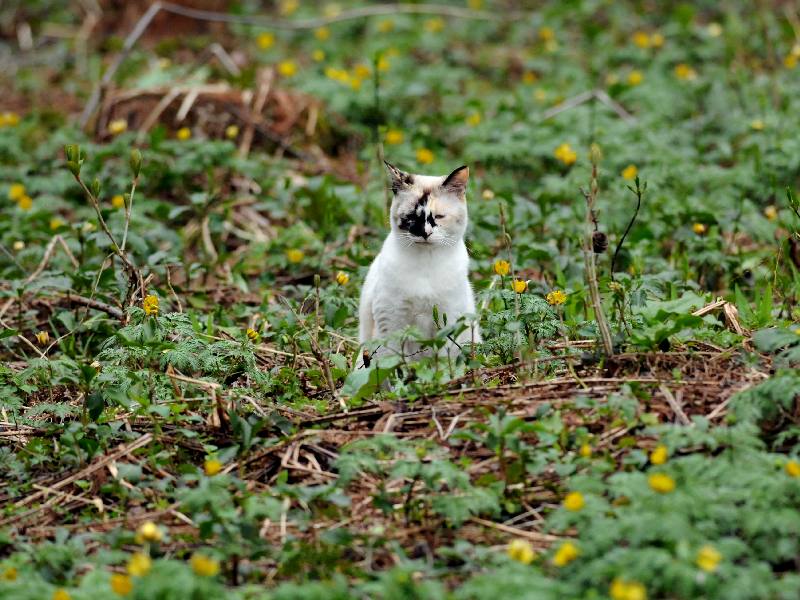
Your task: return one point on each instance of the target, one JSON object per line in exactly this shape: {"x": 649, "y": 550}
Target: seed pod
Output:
{"x": 599, "y": 242}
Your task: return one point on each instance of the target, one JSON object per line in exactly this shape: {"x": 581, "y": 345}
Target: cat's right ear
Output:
{"x": 400, "y": 179}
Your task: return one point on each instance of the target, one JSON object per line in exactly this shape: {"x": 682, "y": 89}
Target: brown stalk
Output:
{"x": 589, "y": 261}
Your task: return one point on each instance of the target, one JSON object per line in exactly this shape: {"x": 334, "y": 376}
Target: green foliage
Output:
{"x": 251, "y": 356}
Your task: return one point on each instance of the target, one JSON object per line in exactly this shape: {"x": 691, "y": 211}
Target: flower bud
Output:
{"x": 96, "y": 187}
{"x": 74, "y": 160}
{"x": 136, "y": 162}
{"x": 595, "y": 154}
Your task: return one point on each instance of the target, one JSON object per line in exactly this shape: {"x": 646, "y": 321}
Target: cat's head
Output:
{"x": 429, "y": 209}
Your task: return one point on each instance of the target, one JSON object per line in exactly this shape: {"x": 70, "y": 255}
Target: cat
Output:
{"x": 423, "y": 263}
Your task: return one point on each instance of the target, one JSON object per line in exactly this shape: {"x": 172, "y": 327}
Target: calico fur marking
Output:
{"x": 414, "y": 221}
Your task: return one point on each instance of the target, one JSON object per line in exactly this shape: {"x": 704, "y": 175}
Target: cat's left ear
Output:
{"x": 456, "y": 182}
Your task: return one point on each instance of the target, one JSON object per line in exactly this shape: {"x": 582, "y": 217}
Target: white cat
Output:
{"x": 423, "y": 262}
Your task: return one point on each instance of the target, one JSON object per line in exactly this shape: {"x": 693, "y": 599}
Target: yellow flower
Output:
{"x": 383, "y": 64}
{"x": 56, "y": 223}
{"x": 25, "y": 203}
{"x": 434, "y": 25}
{"x": 204, "y": 566}
{"x": 386, "y": 26}
{"x": 529, "y": 77}
{"x": 519, "y": 286}
{"x": 18, "y": 245}
{"x": 139, "y": 564}
{"x": 294, "y": 255}
{"x": 394, "y": 137}
{"x": 685, "y": 72}
{"x": 16, "y": 191}
{"x": 318, "y": 55}
{"x": 61, "y": 594}
{"x": 322, "y": 33}
{"x": 361, "y": 71}
{"x": 487, "y": 194}
{"x": 121, "y": 584}
{"x": 641, "y": 39}
{"x": 659, "y": 455}
{"x": 117, "y": 126}
{"x": 656, "y": 40}
{"x": 502, "y": 267}
{"x": 289, "y": 6}
{"x": 337, "y": 74}
{"x": 252, "y": 334}
{"x": 630, "y": 172}
{"x": 714, "y": 29}
{"x": 574, "y": 501}
{"x": 708, "y": 558}
{"x": 699, "y": 228}
{"x": 790, "y": 61}
{"x": 565, "y": 154}
{"x": 212, "y": 466}
{"x": 150, "y": 305}
{"x": 661, "y": 483}
{"x": 627, "y": 590}
{"x": 355, "y": 83}
{"x": 232, "y": 132}
{"x": 43, "y": 338}
{"x": 556, "y": 297}
{"x": 546, "y": 34}
{"x": 635, "y": 78}
{"x": 521, "y": 551}
{"x": 342, "y": 278}
{"x": 425, "y": 156}
{"x": 183, "y": 134}
{"x": 287, "y": 68}
{"x": 8, "y": 118}
{"x": 585, "y": 451}
{"x": 474, "y": 119}
{"x": 265, "y": 40}
{"x": 10, "y": 574}
{"x": 792, "y": 467}
{"x": 566, "y": 553}
{"x": 757, "y": 125}
{"x": 475, "y": 4}
{"x": 118, "y": 201}
{"x": 149, "y": 532}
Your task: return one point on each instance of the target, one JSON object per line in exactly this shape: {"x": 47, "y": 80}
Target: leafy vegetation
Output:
{"x": 181, "y": 415}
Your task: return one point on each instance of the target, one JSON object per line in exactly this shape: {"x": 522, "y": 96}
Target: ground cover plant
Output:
{"x": 189, "y": 200}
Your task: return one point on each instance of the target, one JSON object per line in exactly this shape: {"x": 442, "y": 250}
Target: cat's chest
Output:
{"x": 422, "y": 282}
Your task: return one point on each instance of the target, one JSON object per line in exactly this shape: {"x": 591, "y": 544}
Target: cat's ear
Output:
{"x": 400, "y": 179}
{"x": 456, "y": 182}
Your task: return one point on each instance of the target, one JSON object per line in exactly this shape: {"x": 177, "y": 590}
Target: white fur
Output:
{"x": 411, "y": 275}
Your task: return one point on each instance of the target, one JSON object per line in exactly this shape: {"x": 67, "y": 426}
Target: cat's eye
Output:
{"x": 438, "y": 216}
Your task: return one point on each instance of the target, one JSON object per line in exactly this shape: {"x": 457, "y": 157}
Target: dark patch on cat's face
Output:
{"x": 415, "y": 220}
